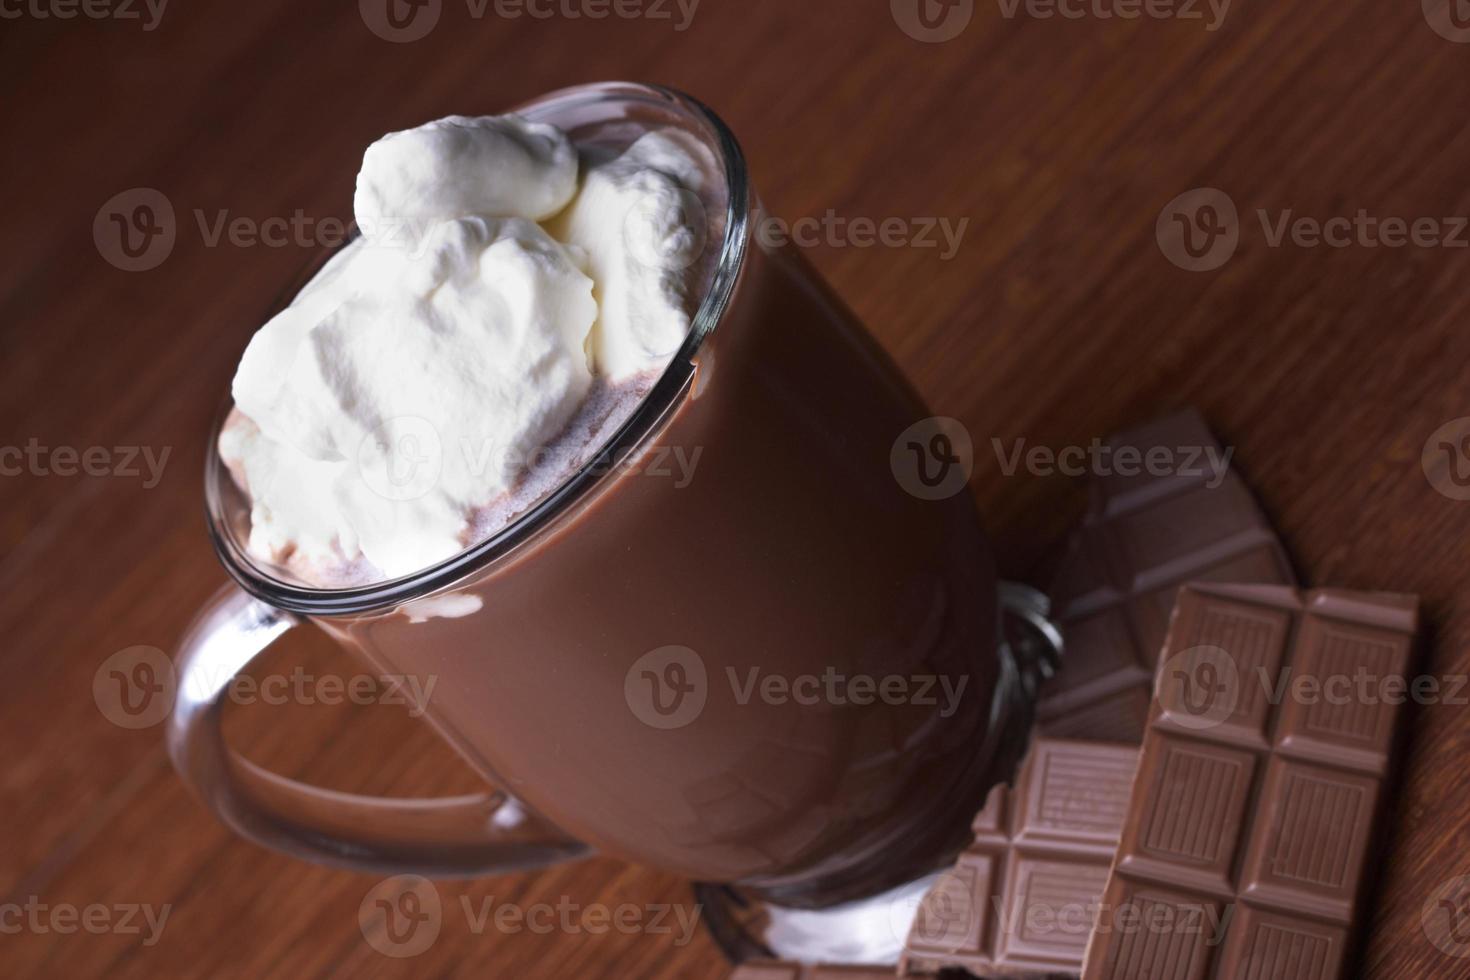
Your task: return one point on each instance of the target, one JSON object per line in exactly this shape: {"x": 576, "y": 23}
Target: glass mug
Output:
{"x": 609, "y": 655}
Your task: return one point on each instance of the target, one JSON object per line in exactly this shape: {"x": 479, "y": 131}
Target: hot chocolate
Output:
{"x": 732, "y": 645}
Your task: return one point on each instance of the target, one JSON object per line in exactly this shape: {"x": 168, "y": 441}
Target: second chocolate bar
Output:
{"x": 1144, "y": 536}
{"x": 1259, "y": 787}
{"x": 1022, "y": 897}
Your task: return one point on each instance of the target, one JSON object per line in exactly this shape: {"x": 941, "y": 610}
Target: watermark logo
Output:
{"x": 1199, "y": 230}
{"x": 135, "y": 230}
{"x": 667, "y": 688}
{"x": 400, "y": 21}
{"x": 401, "y": 916}
{"x": 932, "y": 21}
{"x": 401, "y": 458}
{"x": 946, "y": 916}
{"x": 666, "y": 231}
{"x": 1446, "y": 459}
{"x": 933, "y": 458}
{"x": 1450, "y": 19}
{"x": 1199, "y": 688}
{"x": 135, "y": 688}
{"x": 904, "y": 910}
{"x": 1446, "y": 917}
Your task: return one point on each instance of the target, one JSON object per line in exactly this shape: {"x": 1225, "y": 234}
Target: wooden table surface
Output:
{"x": 1059, "y": 317}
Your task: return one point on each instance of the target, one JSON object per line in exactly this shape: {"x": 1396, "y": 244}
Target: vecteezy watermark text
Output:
{"x": 406, "y": 21}
{"x": 680, "y": 13}
{"x": 137, "y": 229}
{"x": 1363, "y": 687}
{"x": 1202, "y": 687}
{"x": 63, "y": 918}
{"x": 937, "y": 21}
{"x": 839, "y": 231}
{"x": 1362, "y": 230}
{"x": 835, "y": 688}
{"x": 404, "y": 458}
{"x": 402, "y": 916}
{"x": 148, "y": 12}
{"x": 669, "y": 687}
{"x": 1098, "y": 458}
{"x": 137, "y": 687}
{"x": 950, "y": 912}
{"x": 1200, "y": 230}
{"x": 571, "y": 918}
{"x": 1183, "y": 10}
{"x": 36, "y": 459}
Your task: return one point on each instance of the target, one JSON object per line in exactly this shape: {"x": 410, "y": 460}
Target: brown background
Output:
{"x": 1059, "y": 319}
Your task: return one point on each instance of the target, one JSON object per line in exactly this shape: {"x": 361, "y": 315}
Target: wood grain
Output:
{"x": 1058, "y": 319}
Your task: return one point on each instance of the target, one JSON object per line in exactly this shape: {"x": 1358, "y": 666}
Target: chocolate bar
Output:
{"x": 779, "y": 970}
{"x": 1020, "y": 900}
{"x": 1142, "y": 537}
{"x": 1259, "y": 787}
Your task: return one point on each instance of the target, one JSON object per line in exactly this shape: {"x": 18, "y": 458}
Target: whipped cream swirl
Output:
{"x": 498, "y": 277}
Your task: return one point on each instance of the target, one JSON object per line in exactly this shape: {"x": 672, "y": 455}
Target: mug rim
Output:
{"x": 629, "y": 437}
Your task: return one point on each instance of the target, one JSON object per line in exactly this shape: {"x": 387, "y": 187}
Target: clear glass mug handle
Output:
{"x": 461, "y": 836}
